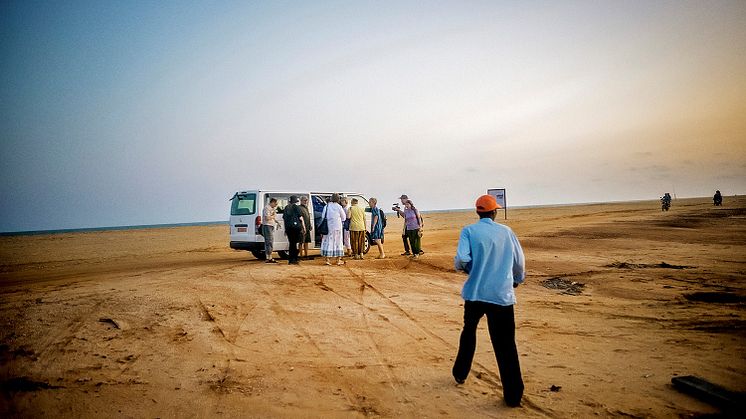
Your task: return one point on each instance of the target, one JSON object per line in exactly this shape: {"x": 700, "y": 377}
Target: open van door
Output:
{"x": 280, "y": 242}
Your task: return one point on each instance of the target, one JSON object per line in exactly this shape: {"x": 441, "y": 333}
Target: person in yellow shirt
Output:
{"x": 357, "y": 229}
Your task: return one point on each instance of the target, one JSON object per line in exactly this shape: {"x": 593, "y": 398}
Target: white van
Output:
{"x": 246, "y": 219}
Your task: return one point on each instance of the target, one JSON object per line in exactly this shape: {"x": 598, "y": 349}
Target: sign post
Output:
{"x": 499, "y": 195}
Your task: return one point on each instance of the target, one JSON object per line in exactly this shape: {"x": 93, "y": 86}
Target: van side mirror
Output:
{"x": 367, "y": 209}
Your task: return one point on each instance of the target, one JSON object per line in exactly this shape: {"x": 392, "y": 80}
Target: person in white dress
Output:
{"x": 332, "y": 244}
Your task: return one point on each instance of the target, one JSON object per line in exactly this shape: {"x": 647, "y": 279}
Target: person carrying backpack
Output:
{"x": 376, "y": 227}
{"x": 295, "y": 228}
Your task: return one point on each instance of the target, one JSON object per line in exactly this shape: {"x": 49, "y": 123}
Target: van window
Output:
{"x": 282, "y": 201}
{"x": 243, "y": 204}
{"x": 362, "y": 202}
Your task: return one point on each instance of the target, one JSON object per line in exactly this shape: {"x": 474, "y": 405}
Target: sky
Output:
{"x": 141, "y": 112}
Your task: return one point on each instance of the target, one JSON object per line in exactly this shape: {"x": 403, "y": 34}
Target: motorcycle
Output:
{"x": 665, "y": 204}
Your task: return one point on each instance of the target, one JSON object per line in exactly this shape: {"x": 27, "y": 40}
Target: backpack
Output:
{"x": 383, "y": 218}
{"x": 292, "y": 217}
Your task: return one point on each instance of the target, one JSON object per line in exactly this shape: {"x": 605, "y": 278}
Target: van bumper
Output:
{"x": 250, "y": 246}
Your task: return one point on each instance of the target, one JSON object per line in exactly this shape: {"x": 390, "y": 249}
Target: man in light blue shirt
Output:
{"x": 493, "y": 258}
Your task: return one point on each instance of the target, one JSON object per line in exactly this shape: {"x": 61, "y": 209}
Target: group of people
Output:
{"x": 345, "y": 228}
{"x": 487, "y": 251}
{"x": 297, "y": 221}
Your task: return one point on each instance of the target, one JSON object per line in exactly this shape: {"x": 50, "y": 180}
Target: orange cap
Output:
{"x": 487, "y": 203}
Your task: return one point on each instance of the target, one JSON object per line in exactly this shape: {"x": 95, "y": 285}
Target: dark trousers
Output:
{"x": 501, "y": 325}
{"x": 294, "y": 237}
{"x": 414, "y": 239}
{"x": 405, "y": 239}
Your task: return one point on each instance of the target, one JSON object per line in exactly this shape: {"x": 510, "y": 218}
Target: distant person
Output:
{"x": 357, "y": 229}
{"x": 666, "y": 202}
{"x": 295, "y": 228}
{"x": 717, "y": 199}
{"x": 376, "y": 227}
{"x": 412, "y": 226}
{"x": 404, "y": 237}
{"x": 307, "y": 221}
{"x": 490, "y": 253}
{"x": 269, "y": 223}
{"x": 346, "y": 226}
{"x": 332, "y": 245}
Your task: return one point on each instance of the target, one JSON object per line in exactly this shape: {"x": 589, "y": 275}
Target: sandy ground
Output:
{"x": 172, "y": 323}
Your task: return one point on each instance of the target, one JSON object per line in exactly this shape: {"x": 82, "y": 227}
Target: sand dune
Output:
{"x": 170, "y": 322}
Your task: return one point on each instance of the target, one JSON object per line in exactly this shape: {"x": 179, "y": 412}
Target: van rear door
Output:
{"x": 243, "y": 213}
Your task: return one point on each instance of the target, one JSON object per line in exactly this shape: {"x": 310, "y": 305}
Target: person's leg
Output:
{"x": 415, "y": 239}
{"x": 405, "y": 240}
{"x": 412, "y": 236}
{"x": 473, "y": 312}
{"x": 325, "y": 248}
{"x": 355, "y": 243}
{"x": 293, "y": 236}
{"x": 346, "y": 240}
{"x": 381, "y": 254}
{"x": 267, "y": 233}
{"x": 501, "y": 324}
{"x": 339, "y": 248}
{"x": 360, "y": 244}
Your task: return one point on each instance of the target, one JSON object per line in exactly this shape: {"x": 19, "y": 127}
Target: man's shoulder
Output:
{"x": 488, "y": 226}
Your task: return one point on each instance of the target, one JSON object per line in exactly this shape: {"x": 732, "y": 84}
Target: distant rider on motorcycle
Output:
{"x": 666, "y": 202}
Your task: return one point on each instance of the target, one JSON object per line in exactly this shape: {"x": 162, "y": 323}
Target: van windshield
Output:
{"x": 243, "y": 204}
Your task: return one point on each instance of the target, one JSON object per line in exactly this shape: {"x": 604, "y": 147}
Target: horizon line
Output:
{"x": 206, "y": 223}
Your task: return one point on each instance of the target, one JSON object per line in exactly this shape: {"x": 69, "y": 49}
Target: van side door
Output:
{"x": 280, "y": 236}
{"x": 318, "y": 202}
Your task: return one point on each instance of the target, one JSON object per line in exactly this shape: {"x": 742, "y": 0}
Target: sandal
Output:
{"x": 340, "y": 263}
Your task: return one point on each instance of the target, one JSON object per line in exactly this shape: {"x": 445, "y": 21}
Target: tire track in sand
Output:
{"x": 353, "y": 399}
{"x": 396, "y": 384}
{"x": 486, "y": 375}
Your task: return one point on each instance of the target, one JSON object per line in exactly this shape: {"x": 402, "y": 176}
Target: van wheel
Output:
{"x": 368, "y": 244}
{"x": 283, "y": 254}
{"x": 259, "y": 254}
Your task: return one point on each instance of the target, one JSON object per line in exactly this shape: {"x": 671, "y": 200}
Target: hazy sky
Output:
{"x": 144, "y": 112}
